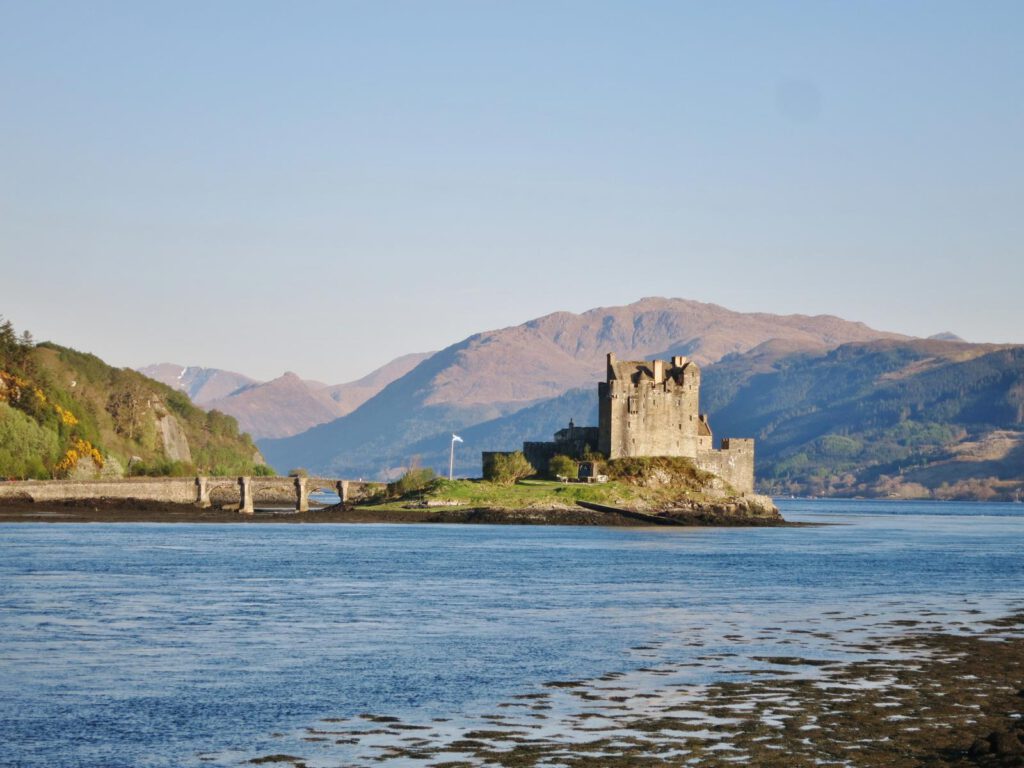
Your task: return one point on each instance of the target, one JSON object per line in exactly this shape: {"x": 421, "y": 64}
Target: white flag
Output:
{"x": 456, "y": 438}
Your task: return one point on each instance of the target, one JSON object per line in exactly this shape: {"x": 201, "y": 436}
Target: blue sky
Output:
{"x": 320, "y": 187}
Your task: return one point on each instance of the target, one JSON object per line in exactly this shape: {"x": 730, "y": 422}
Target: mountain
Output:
{"x": 351, "y": 395}
{"x": 67, "y": 413}
{"x": 544, "y": 357}
{"x": 490, "y": 375}
{"x": 202, "y": 385}
{"x": 284, "y": 406}
{"x": 278, "y": 408}
{"x": 893, "y": 418}
{"x": 911, "y": 418}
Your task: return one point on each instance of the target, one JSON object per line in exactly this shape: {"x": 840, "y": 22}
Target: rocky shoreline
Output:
{"x": 729, "y": 514}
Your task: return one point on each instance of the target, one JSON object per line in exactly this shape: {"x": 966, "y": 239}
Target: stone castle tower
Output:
{"x": 650, "y": 409}
{"x": 653, "y": 409}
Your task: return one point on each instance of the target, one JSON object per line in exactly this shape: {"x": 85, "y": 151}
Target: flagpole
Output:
{"x": 451, "y": 456}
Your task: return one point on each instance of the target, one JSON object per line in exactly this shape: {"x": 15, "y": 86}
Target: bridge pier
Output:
{"x": 202, "y": 493}
{"x": 301, "y": 494}
{"x": 343, "y": 491}
{"x": 245, "y": 496}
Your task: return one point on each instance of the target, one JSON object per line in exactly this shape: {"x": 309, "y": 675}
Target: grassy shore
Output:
{"x": 678, "y": 503}
{"x": 536, "y": 494}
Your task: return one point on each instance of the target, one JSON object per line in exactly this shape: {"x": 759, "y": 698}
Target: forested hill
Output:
{"x": 907, "y": 419}
{"x": 65, "y": 413}
{"x": 918, "y": 418}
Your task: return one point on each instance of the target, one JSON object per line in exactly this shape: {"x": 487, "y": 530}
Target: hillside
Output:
{"x": 922, "y": 418}
{"x": 67, "y": 413}
{"x": 281, "y": 407}
{"x": 496, "y": 373}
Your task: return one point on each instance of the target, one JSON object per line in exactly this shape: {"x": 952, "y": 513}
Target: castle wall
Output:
{"x": 734, "y": 463}
{"x": 539, "y": 454}
{"x": 573, "y": 442}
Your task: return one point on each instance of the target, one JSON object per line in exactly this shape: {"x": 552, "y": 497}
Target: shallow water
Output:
{"x": 171, "y": 645}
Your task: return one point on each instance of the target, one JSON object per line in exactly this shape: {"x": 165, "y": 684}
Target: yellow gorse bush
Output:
{"x": 78, "y": 451}
{"x": 11, "y": 386}
{"x": 66, "y": 416}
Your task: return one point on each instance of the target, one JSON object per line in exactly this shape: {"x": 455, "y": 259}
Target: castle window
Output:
{"x": 634, "y": 404}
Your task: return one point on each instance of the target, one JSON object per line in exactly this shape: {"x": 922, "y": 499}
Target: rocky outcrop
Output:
{"x": 748, "y": 509}
{"x": 172, "y": 436}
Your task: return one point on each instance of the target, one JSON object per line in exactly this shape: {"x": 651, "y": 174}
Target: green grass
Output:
{"x": 537, "y": 494}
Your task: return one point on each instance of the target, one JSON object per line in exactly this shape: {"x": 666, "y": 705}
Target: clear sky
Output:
{"x": 320, "y": 187}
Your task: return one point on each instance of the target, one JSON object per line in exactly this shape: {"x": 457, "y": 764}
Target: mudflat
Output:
{"x": 930, "y": 699}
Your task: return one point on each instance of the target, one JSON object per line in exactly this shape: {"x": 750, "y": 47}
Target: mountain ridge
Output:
{"x": 914, "y": 418}
{"x": 281, "y": 407}
{"x": 494, "y": 373}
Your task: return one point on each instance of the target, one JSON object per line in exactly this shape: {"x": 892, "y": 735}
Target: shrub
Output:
{"x": 262, "y": 470}
{"x": 562, "y": 465}
{"x": 507, "y": 468}
{"x": 221, "y": 425}
{"x": 298, "y": 472}
{"x": 414, "y": 480}
{"x": 25, "y": 447}
{"x": 651, "y": 471}
{"x": 161, "y": 468}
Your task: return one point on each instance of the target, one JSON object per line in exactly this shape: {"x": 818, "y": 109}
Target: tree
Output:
{"x": 14, "y": 350}
{"x": 563, "y": 466}
{"x": 126, "y": 407}
{"x": 508, "y": 468}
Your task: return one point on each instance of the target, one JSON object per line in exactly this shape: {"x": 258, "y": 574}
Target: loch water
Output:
{"x": 181, "y": 645}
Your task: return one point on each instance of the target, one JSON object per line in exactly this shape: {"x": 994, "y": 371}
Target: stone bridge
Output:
{"x": 200, "y": 491}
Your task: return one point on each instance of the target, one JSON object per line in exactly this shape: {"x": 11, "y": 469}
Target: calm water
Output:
{"x": 178, "y": 645}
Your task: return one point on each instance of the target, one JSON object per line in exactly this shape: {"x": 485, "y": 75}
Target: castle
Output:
{"x": 651, "y": 409}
